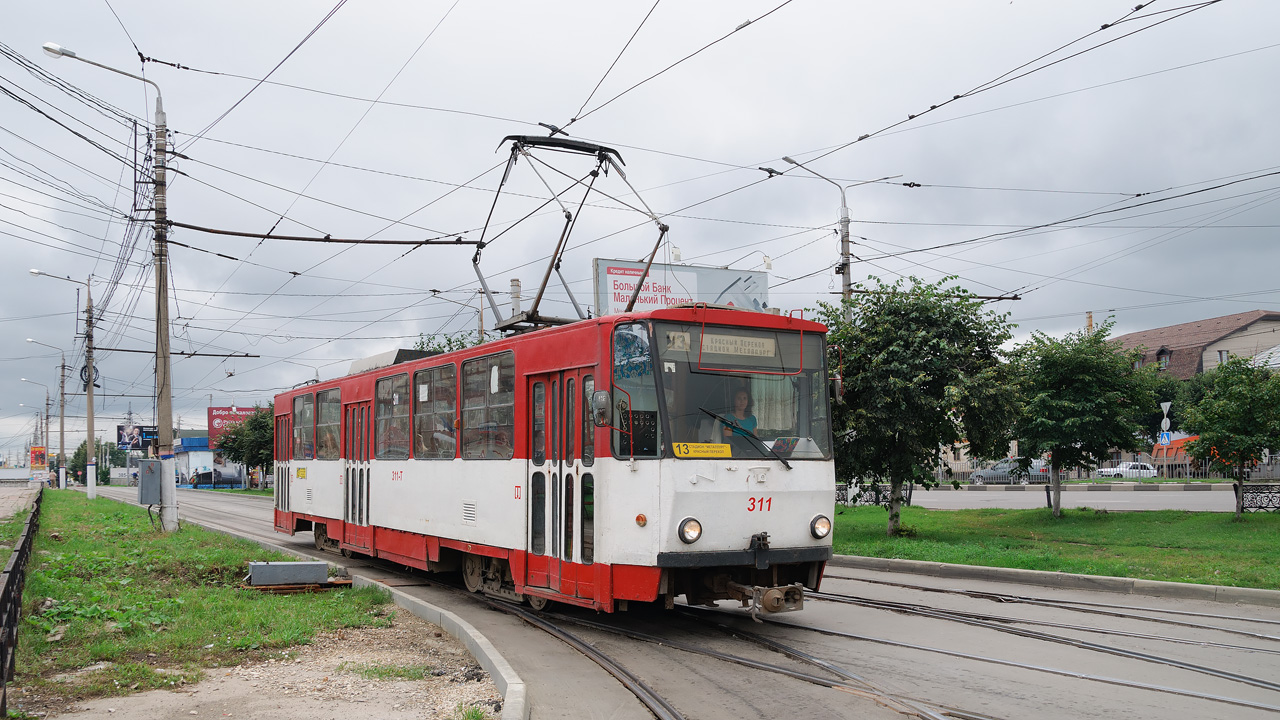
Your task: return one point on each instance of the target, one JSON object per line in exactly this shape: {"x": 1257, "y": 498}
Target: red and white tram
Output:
{"x": 597, "y": 463}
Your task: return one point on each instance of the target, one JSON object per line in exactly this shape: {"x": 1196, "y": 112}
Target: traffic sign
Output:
{"x": 1164, "y": 424}
{"x": 1166, "y": 438}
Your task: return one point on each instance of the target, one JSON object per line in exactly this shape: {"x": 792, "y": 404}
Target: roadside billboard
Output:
{"x": 39, "y": 458}
{"x": 221, "y": 417}
{"x": 667, "y": 285}
{"x": 136, "y": 437}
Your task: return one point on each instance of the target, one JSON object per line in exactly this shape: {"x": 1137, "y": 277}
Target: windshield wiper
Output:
{"x": 749, "y": 434}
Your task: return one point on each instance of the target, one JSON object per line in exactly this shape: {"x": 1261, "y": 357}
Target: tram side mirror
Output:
{"x": 837, "y": 389}
{"x": 600, "y": 406}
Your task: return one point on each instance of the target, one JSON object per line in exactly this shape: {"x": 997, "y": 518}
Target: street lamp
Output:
{"x": 89, "y": 375}
{"x": 62, "y": 414}
{"x": 847, "y": 286}
{"x": 164, "y": 383}
{"x": 46, "y": 408}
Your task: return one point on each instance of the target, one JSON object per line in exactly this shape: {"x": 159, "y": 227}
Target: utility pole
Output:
{"x": 62, "y": 413}
{"x": 164, "y": 383}
{"x": 91, "y": 454}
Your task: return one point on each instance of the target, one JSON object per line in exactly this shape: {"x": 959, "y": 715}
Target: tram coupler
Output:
{"x": 782, "y": 598}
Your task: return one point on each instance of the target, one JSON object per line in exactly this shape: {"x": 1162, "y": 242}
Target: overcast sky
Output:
{"x": 1173, "y": 101}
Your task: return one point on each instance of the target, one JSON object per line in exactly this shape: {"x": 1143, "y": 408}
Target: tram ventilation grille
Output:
{"x": 308, "y": 496}
{"x": 468, "y": 512}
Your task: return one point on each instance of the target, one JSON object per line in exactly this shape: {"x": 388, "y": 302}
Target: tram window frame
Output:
{"x": 437, "y": 414}
{"x": 588, "y": 449}
{"x": 644, "y": 390}
{"x": 304, "y": 427}
{"x": 488, "y": 407}
{"x": 538, "y": 424}
{"x": 328, "y": 424}
{"x": 386, "y": 403}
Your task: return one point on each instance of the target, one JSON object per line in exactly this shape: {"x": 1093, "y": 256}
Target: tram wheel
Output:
{"x": 537, "y": 603}
{"x": 321, "y": 534}
{"x": 473, "y": 573}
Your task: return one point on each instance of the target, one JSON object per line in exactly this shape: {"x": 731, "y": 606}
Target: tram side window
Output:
{"x": 282, "y": 438}
{"x": 391, "y": 418}
{"x": 588, "y": 427}
{"x": 304, "y": 427}
{"x": 488, "y": 407}
{"x": 435, "y": 409}
{"x": 637, "y": 431}
{"x": 328, "y": 419}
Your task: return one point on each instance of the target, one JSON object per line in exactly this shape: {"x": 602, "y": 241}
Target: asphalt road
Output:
{"x": 1056, "y": 658}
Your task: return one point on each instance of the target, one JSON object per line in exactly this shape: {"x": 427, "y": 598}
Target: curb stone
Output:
{"x": 1066, "y": 581}
{"x": 515, "y": 704}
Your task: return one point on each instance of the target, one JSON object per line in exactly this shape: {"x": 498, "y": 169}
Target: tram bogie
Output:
{"x": 680, "y": 452}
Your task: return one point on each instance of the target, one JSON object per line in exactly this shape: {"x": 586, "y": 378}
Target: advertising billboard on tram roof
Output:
{"x": 668, "y": 285}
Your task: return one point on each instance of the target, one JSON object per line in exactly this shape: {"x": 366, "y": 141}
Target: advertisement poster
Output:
{"x": 667, "y": 285}
{"x": 136, "y": 437}
{"x": 221, "y": 417}
{"x": 39, "y": 459}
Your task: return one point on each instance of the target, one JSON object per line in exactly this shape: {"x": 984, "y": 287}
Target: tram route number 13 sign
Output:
{"x": 702, "y": 450}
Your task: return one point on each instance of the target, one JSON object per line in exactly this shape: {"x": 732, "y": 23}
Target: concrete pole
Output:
{"x": 164, "y": 382}
{"x": 62, "y": 424}
{"x": 90, "y": 454}
{"x": 846, "y": 289}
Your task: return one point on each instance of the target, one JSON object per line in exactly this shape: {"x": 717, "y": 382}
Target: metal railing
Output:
{"x": 11, "y": 582}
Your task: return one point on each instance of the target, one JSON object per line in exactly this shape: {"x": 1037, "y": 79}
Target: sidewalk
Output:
{"x": 15, "y": 498}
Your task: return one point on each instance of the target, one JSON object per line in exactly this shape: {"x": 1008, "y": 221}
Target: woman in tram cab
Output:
{"x": 741, "y": 415}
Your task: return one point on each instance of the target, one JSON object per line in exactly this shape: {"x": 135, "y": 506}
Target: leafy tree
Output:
{"x": 923, "y": 371}
{"x": 251, "y": 442}
{"x": 445, "y": 343}
{"x": 1082, "y": 397}
{"x": 78, "y": 461}
{"x": 1237, "y": 418}
{"x": 1165, "y": 388}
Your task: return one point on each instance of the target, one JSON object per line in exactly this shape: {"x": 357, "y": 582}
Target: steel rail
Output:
{"x": 1119, "y": 682}
{"x": 1036, "y": 635}
{"x": 1085, "y": 606}
{"x": 656, "y": 704}
{"x": 1093, "y": 629}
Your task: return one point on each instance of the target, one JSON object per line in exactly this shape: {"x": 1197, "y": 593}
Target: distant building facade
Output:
{"x": 1190, "y": 348}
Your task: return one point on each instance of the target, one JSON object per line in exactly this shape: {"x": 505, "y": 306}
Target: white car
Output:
{"x": 1128, "y": 470}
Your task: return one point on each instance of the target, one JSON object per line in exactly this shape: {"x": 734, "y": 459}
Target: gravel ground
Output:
{"x": 312, "y": 682}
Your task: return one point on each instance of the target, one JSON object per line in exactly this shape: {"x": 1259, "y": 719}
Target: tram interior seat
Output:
{"x": 707, "y": 430}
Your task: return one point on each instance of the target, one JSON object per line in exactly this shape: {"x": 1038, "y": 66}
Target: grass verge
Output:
{"x": 1172, "y": 545}
{"x": 250, "y": 491}
{"x": 113, "y": 606}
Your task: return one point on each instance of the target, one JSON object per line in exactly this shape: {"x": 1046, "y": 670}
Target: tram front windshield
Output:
{"x": 747, "y": 393}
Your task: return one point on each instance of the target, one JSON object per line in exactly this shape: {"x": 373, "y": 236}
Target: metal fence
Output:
{"x": 11, "y": 581}
{"x": 1174, "y": 468}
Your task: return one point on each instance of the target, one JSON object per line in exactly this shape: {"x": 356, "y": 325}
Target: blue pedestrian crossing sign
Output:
{"x": 1166, "y": 438}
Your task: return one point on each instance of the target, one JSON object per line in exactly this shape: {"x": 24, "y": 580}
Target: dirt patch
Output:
{"x": 347, "y": 674}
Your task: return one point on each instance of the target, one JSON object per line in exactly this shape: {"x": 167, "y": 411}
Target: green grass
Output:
{"x": 469, "y": 713}
{"x": 238, "y": 491}
{"x": 126, "y": 594}
{"x": 10, "y": 529}
{"x": 1173, "y": 545}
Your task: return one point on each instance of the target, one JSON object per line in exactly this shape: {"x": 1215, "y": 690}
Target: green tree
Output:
{"x": 1082, "y": 397}
{"x": 251, "y": 442}
{"x": 77, "y": 462}
{"x": 445, "y": 343}
{"x": 923, "y": 370}
{"x": 1237, "y": 418}
{"x": 1164, "y": 388}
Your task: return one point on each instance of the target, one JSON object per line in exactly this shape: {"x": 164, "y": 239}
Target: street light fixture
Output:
{"x": 62, "y": 414}
{"x": 164, "y": 382}
{"x": 46, "y": 407}
{"x": 89, "y": 375}
{"x": 847, "y": 285}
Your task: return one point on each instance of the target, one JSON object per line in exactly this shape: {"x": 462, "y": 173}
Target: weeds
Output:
{"x": 387, "y": 672}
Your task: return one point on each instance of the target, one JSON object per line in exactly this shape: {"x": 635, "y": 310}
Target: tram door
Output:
{"x": 556, "y": 505}
{"x": 358, "y": 427}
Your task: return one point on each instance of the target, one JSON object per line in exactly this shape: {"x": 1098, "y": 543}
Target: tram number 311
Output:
{"x": 759, "y": 504}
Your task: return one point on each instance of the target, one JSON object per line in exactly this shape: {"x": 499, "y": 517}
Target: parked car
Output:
{"x": 1128, "y": 470}
{"x": 1009, "y": 472}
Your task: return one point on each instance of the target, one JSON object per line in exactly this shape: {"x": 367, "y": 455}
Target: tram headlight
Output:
{"x": 690, "y": 530}
{"x": 820, "y": 526}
